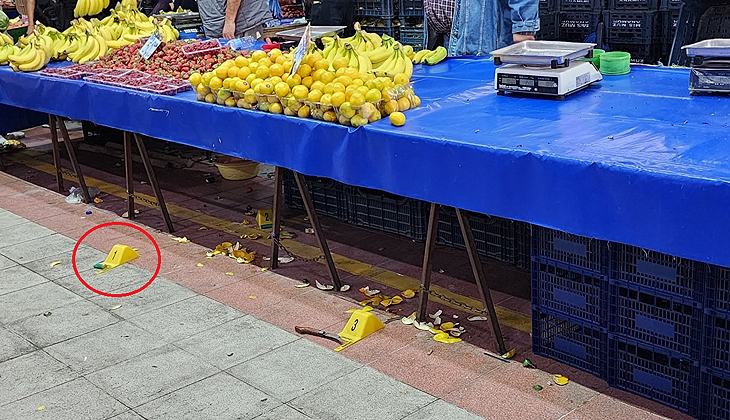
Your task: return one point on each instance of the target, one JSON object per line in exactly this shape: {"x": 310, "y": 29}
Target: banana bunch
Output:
{"x": 32, "y": 57}
{"x": 87, "y": 47}
{"x": 408, "y": 51}
{"x": 90, "y": 7}
{"x": 169, "y": 32}
{"x": 6, "y": 50}
{"x": 363, "y": 41}
{"x": 5, "y": 39}
{"x": 356, "y": 60}
{"x": 397, "y": 62}
{"x": 430, "y": 57}
{"x": 383, "y": 52}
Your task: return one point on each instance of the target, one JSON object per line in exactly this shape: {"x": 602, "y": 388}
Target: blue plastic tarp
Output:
{"x": 634, "y": 159}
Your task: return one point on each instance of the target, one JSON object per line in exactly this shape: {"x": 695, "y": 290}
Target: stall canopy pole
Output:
{"x": 153, "y": 181}
{"x": 72, "y": 158}
{"x": 56, "y": 152}
{"x": 276, "y": 223}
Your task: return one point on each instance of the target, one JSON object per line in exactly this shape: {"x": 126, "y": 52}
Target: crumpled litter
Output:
{"x": 237, "y": 252}
{"x": 183, "y": 240}
{"x": 321, "y": 286}
{"x": 55, "y": 263}
{"x": 76, "y": 196}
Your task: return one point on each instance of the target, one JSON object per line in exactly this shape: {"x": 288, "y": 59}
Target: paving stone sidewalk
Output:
{"x": 166, "y": 353}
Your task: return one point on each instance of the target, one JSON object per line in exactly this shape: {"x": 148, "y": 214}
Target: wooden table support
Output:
{"x": 476, "y": 266}
{"x": 313, "y": 219}
{"x": 128, "y": 174}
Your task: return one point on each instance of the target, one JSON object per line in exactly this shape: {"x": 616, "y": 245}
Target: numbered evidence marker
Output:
{"x": 265, "y": 218}
{"x": 119, "y": 255}
{"x": 362, "y": 323}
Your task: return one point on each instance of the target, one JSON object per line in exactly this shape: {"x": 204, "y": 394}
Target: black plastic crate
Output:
{"x": 635, "y": 5}
{"x": 699, "y": 21}
{"x": 577, "y": 26}
{"x": 669, "y": 24}
{"x": 377, "y": 8}
{"x": 548, "y": 26}
{"x": 674, "y": 5}
{"x": 628, "y": 27}
{"x": 666, "y": 321}
{"x": 663, "y": 272}
{"x": 569, "y": 341}
{"x": 717, "y": 290}
{"x": 580, "y": 294}
{"x": 654, "y": 373}
{"x": 493, "y": 236}
{"x": 410, "y": 8}
{"x": 578, "y": 251}
{"x": 580, "y": 5}
{"x": 716, "y": 346}
{"x": 390, "y": 213}
{"x": 523, "y": 242}
{"x": 547, "y": 6}
{"x": 328, "y": 196}
{"x": 640, "y": 53}
{"x": 715, "y": 395}
{"x": 412, "y": 36}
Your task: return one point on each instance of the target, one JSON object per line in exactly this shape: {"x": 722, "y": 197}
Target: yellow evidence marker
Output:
{"x": 362, "y": 323}
{"x": 119, "y": 255}
{"x": 265, "y": 218}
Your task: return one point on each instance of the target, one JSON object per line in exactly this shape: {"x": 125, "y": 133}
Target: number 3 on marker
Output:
{"x": 354, "y": 325}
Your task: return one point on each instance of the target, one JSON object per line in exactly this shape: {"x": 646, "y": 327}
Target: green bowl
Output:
{"x": 615, "y": 63}
{"x": 597, "y": 53}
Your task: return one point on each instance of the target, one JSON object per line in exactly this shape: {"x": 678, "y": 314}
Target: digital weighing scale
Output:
{"x": 710, "y": 66}
{"x": 544, "y": 68}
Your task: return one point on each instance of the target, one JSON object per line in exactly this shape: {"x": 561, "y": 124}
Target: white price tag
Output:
{"x": 302, "y": 49}
{"x": 151, "y": 45}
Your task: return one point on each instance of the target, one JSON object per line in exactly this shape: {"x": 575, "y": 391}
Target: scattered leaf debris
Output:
{"x": 321, "y": 286}
{"x": 55, "y": 263}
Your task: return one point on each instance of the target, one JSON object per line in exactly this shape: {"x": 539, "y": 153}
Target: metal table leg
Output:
{"x": 304, "y": 191}
{"x": 481, "y": 279}
{"x": 56, "y": 153}
{"x": 128, "y": 174}
{"x": 476, "y": 265}
{"x": 276, "y": 223}
{"x": 153, "y": 181}
{"x": 433, "y": 221}
{"x": 72, "y": 158}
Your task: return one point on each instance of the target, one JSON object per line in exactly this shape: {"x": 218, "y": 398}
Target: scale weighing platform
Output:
{"x": 544, "y": 68}
{"x": 710, "y": 66}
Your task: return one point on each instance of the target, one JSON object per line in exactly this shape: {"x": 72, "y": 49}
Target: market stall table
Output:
{"x": 634, "y": 159}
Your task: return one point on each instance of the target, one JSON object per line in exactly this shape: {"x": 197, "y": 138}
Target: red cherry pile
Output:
{"x": 168, "y": 60}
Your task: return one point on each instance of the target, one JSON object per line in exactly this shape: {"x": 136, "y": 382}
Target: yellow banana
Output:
{"x": 408, "y": 70}
{"x": 399, "y": 65}
{"x": 418, "y": 57}
{"x": 82, "y": 8}
{"x": 38, "y": 62}
{"x": 23, "y": 56}
{"x": 435, "y": 57}
{"x": 102, "y": 46}
{"x": 6, "y": 38}
{"x": 93, "y": 53}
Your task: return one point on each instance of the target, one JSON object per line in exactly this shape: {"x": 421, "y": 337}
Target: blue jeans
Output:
{"x": 481, "y": 26}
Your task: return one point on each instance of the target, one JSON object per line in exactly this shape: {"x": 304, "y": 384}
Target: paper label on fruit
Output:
{"x": 151, "y": 45}
{"x": 302, "y": 48}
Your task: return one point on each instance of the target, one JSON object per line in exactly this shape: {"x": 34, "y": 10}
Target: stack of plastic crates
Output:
{"x": 378, "y": 16}
{"x": 656, "y": 325}
{"x": 570, "y": 299}
{"x": 716, "y": 346}
{"x": 548, "y": 21}
{"x": 635, "y": 26}
{"x": 412, "y": 24}
{"x": 578, "y": 19}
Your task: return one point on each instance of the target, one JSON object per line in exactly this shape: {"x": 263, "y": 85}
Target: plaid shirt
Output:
{"x": 440, "y": 14}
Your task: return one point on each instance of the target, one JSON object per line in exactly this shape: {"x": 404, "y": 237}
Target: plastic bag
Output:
{"x": 76, "y": 196}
